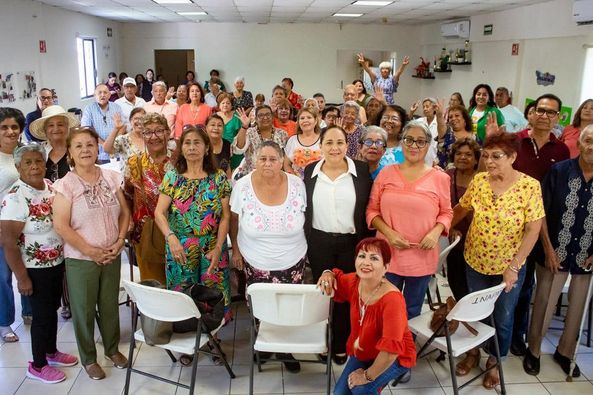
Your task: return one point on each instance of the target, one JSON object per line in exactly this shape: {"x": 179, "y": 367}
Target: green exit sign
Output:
{"x": 488, "y": 30}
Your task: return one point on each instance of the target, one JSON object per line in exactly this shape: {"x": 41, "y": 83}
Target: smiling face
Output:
{"x": 464, "y": 158}
{"x": 154, "y": 135}
{"x": 369, "y": 264}
{"x": 193, "y": 147}
{"x": 391, "y": 122}
{"x": 415, "y": 138}
{"x": 428, "y": 108}
{"x": 454, "y": 101}
{"x": 181, "y": 94}
{"x": 350, "y": 93}
{"x": 32, "y": 168}
{"x": 307, "y": 121}
{"x": 456, "y": 121}
{"x": 385, "y": 72}
{"x": 501, "y": 97}
{"x": 544, "y": 121}
{"x": 226, "y": 105}
{"x": 359, "y": 87}
{"x": 45, "y": 99}
{"x": 587, "y": 113}
{"x": 130, "y": 91}
{"x": 374, "y": 152}
{"x": 334, "y": 145}
{"x": 264, "y": 118}
{"x": 83, "y": 149}
{"x": 239, "y": 85}
{"x": 214, "y": 128}
{"x": 373, "y": 107}
{"x": 349, "y": 116}
{"x": 56, "y": 129}
{"x": 159, "y": 94}
{"x": 9, "y": 134}
{"x": 283, "y": 113}
{"x": 195, "y": 95}
{"x": 482, "y": 97}
{"x": 136, "y": 122}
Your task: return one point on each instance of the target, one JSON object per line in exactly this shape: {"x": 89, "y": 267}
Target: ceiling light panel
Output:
{"x": 372, "y": 3}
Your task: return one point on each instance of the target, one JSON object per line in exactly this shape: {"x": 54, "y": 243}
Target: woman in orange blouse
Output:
{"x": 583, "y": 117}
{"x": 193, "y": 113}
{"x": 380, "y": 346}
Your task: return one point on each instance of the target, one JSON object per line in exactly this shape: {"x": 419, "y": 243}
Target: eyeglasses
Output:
{"x": 45, "y": 98}
{"x": 157, "y": 132}
{"x": 377, "y": 143}
{"x": 105, "y": 119}
{"x": 409, "y": 142}
{"x": 393, "y": 118}
{"x": 267, "y": 115}
{"x": 494, "y": 156}
{"x": 464, "y": 154}
{"x": 550, "y": 113}
{"x": 54, "y": 172}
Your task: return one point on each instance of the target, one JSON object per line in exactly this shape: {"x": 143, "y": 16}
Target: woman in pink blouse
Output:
{"x": 193, "y": 113}
{"x": 410, "y": 206}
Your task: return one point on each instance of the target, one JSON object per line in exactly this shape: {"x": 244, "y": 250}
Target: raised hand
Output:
{"x": 360, "y": 58}
{"x": 406, "y": 61}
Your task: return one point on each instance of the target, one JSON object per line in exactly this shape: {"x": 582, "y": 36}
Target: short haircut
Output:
{"x": 136, "y": 111}
{"x": 112, "y": 75}
{"x": 262, "y": 107}
{"x": 279, "y": 88}
{"x": 284, "y": 103}
{"x": 330, "y": 109}
{"x": 318, "y": 94}
{"x": 289, "y": 80}
{"x": 260, "y": 97}
{"x": 465, "y": 115}
{"x": 31, "y": 147}
{"x": 403, "y": 115}
{"x": 324, "y": 132}
{"x": 16, "y": 114}
{"x": 585, "y": 132}
{"x": 385, "y": 65}
{"x": 159, "y": 83}
{"x": 417, "y": 124}
{"x": 271, "y": 144}
{"x": 527, "y": 108}
{"x": 224, "y": 95}
{"x": 549, "y": 96}
{"x": 374, "y": 129}
{"x": 214, "y": 71}
{"x": 375, "y": 243}
{"x": 314, "y": 114}
{"x": 153, "y": 117}
{"x": 78, "y": 130}
{"x": 466, "y": 142}
{"x": 208, "y": 161}
{"x": 507, "y": 142}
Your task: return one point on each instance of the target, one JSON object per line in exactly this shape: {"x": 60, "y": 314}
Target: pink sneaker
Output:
{"x": 61, "y": 359}
{"x": 47, "y": 374}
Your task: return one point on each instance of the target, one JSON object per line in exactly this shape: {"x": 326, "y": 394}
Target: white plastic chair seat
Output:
{"x": 308, "y": 339}
{"x": 461, "y": 341}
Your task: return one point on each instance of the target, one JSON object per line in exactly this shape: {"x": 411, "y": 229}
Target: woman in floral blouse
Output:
{"x": 193, "y": 213}
{"x": 34, "y": 252}
{"x": 143, "y": 177}
{"x": 124, "y": 143}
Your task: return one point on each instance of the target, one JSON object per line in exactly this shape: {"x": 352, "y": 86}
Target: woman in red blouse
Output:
{"x": 380, "y": 346}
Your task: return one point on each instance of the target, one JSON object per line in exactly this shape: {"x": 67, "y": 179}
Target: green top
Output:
{"x": 231, "y": 128}
{"x": 479, "y": 125}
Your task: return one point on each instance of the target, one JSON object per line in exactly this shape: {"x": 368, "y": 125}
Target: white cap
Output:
{"x": 129, "y": 81}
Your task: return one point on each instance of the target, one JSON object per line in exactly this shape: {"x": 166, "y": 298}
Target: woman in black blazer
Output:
{"x": 338, "y": 190}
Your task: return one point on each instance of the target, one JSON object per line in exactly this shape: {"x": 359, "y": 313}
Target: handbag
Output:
{"x": 441, "y": 310}
{"x": 210, "y": 302}
{"x": 151, "y": 247}
{"x": 155, "y": 331}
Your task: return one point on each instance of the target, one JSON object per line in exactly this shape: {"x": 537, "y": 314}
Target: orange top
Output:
{"x": 290, "y": 127}
{"x": 385, "y": 324}
{"x": 186, "y": 116}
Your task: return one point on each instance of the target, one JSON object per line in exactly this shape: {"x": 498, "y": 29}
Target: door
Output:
{"x": 173, "y": 64}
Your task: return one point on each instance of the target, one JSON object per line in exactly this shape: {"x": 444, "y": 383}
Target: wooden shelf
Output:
{"x": 461, "y": 63}
{"x": 423, "y": 78}
{"x": 443, "y": 71}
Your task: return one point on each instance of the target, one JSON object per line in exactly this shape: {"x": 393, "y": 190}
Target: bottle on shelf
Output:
{"x": 467, "y": 52}
{"x": 436, "y": 66}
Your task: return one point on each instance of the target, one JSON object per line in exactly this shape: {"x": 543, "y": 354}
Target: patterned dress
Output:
{"x": 194, "y": 217}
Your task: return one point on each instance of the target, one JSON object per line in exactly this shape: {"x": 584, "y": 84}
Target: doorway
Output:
{"x": 173, "y": 64}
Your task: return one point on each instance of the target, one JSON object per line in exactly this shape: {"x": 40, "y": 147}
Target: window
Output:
{"x": 587, "y": 81}
{"x": 87, "y": 66}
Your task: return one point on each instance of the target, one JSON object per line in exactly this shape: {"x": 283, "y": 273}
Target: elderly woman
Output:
{"x": 12, "y": 122}
{"x": 352, "y": 127}
{"x": 410, "y": 206}
{"x": 372, "y": 110}
{"x": 124, "y": 143}
{"x": 268, "y": 214}
{"x": 282, "y": 117}
{"x": 193, "y": 113}
{"x": 92, "y": 216}
{"x": 480, "y": 105}
{"x": 248, "y": 141}
{"x": 385, "y": 81}
{"x": 143, "y": 176}
{"x": 362, "y": 97}
{"x": 181, "y": 95}
{"x": 330, "y": 115}
{"x": 221, "y": 148}
{"x": 34, "y": 252}
{"x": 241, "y": 98}
{"x": 193, "y": 213}
{"x": 380, "y": 346}
{"x": 460, "y": 127}
{"x": 507, "y": 212}
{"x": 303, "y": 148}
{"x": 583, "y": 117}
{"x": 337, "y": 194}
{"x": 372, "y": 148}
{"x": 233, "y": 120}
{"x": 392, "y": 119}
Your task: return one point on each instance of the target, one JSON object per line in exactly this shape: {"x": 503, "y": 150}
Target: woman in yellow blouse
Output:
{"x": 507, "y": 216}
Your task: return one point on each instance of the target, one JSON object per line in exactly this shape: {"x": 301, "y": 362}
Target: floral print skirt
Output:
{"x": 292, "y": 275}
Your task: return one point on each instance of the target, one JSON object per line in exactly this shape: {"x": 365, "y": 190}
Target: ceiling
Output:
{"x": 288, "y": 11}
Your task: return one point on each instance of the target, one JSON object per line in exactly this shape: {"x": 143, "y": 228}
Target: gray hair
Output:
{"x": 385, "y": 65}
{"x": 271, "y": 144}
{"x": 374, "y": 129}
{"x": 159, "y": 83}
{"x": 430, "y": 99}
{"x": 32, "y": 147}
{"x": 239, "y": 78}
{"x": 352, "y": 104}
{"x": 586, "y": 131}
{"x": 417, "y": 124}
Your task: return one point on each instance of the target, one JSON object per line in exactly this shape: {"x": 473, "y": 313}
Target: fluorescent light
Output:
{"x": 173, "y": 1}
{"x": 372, "y": 3}
{"x": 347, "y": 15}
{"x": 194, "y": 13}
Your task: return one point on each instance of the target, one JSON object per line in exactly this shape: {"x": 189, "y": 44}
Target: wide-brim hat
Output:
{"x": 37, "y": 127}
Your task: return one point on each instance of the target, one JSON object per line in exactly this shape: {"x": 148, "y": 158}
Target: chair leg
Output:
{"x": 131, "y": 350}
{"x": 173, "y": 359}
{"x": 503, "y": 390}
{"x": 251, "y": 343}
{"x": 194, "y": 366}
{"x": 451, "y": 360}
{"x": 589, "y": 323}
{"x": 223, "y": 357}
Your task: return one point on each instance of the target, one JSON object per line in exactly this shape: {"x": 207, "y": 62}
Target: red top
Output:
{"x": 385, "y": 325}
{"x": 290, "y": 126}
{"x": 535, "y": 162}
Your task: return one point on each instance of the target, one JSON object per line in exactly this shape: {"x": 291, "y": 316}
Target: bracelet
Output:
{"x": 169, "y": 234}
{"x": 327, "y": 271}
{"x": 514, "y": 269}
{"x": 367, "y": 377}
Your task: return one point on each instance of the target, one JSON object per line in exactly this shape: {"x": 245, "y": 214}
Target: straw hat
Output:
{"x": 37, "y": 127}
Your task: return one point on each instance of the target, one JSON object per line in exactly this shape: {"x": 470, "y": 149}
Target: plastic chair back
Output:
{"x": 288, "y": 304}
{"x": 161, "y": 304}
{"x": 445, "y": 251}
{"x": 477, "y": 305}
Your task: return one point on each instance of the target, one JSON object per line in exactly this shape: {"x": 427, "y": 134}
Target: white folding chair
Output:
{"x": 170, "y": 306}
{"x": 293, "y": 318}
{"x": 471, "y": 309}
{"x": 433, "y": 285}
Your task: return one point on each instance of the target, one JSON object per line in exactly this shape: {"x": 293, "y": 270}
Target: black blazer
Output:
{"x": 362, "y": 188}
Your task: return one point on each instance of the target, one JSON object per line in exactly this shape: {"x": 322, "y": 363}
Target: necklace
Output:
{"x": 194, "y": 114}
{"x": 362, "y": 306}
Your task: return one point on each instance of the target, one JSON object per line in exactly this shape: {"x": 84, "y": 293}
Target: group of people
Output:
{"x": 360, "y": 193}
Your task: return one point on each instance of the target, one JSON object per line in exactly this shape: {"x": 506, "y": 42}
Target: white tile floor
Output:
{"x": 429, "y": 377}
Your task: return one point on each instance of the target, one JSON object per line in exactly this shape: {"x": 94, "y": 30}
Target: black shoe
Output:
{"x": 518, "y": 348}
{"x": 263, "y": 356}
{"x": 564, "y": 363}
{"x": 404, "y": 378}
{"x": 530, "y": 363}
{"x": 340, "y": 359}
{"x": 291, "y": 364}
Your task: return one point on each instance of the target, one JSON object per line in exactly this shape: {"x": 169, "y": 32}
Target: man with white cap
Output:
{"x": 129, "y": 100}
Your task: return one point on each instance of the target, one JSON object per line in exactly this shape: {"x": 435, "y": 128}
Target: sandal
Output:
{"x": 491, "y": 378}
{"x": 8, "y": 335}
{"x": 471, "y": 360}
{"x": 186, "y": 360}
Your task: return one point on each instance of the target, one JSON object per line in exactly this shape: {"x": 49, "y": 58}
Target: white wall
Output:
{"x": 264, "y": 54}
{"x": 549, "y": 41}
{"x": 24, "y": 22}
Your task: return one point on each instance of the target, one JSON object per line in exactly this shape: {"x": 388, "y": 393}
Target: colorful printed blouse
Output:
{"x": 301, "y": 155}
{"x": 39, "y": 243}
{"x": 497, "y": 229}
{"x": 146, "y": 176}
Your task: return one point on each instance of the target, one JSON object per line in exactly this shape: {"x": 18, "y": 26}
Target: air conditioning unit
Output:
{"x": 455, "y": 29}
{"x": 582, "y": 12}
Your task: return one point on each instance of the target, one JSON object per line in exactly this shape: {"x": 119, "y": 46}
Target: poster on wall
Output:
{"x": 7, "y": 87}
{"x": 26, "y": 85}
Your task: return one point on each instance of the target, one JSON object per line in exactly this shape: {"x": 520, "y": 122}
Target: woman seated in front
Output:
{"x": 380, "y": 346}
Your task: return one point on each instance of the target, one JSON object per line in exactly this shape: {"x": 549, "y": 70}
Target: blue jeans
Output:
{"x": 504, "y": 309}
{"x": 7, "y": 295}
{"x": 413, "y": 288}
{"x": 391, "y": 373}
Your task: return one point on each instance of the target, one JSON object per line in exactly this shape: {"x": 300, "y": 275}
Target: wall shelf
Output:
{"x": 423, "y": 78}
{"x": 443, "y": 71}
{"x": 461, "y": 63}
